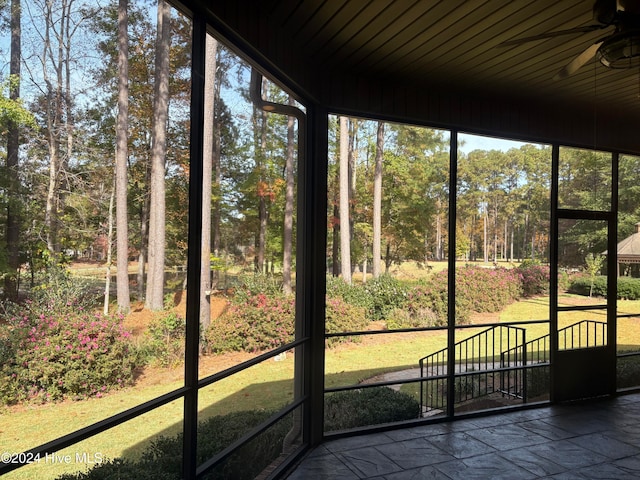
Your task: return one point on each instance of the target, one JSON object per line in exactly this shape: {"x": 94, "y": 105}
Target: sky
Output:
{"x": 479, "y": 142}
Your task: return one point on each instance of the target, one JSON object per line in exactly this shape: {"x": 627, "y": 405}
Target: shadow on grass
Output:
{"x": 250, "y": 398}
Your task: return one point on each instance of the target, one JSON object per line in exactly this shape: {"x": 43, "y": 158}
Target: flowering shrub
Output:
{"x": 427, "y": 305}
{"x": 488, "y": 290}
{"x": 64, "y": 356}
{"x": 342, "y": 317}
{"x": 355, "y": 294}
{"x": 387, "y": 293}
{"x": 263, "y": 322}
{"x": 535, "y": 279}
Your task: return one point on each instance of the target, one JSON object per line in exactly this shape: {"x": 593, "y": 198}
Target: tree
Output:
{"x": 377, "y": 201}
{"x": 155, "y": 277}
{"x": 121, "y": 183}
{"x": 207, "y": 166}
{"x": 288, "y": 204}
{"x": 345, "y": 234}
{"x": 594, "y": 265}
{"x": 59, "y": 30}
{"x": 13, "y": 146}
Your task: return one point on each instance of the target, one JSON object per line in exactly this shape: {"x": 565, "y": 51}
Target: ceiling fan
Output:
{"x": 619, "y": 49}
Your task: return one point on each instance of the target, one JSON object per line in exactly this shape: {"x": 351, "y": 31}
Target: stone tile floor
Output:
{"x": 593, "y": 440}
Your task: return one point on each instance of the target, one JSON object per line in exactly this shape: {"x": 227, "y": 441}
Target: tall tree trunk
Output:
{"x": 58, "y": 32}
{"x": 288, "y": 204}
{"x": 107, "y": 280}
{"x": 122, "y": 121}
{"x": 207, "y": 167}
{"x": 51, "y": 208}
{"x": 504, "y": 242}
{"x": 511, "y": 256}
{"x": 345, "y": 240}
{"x": 387, "y": 259}
{"x": 353, "y": 173}
{"x": 263, "y": 212}
{"x": 217, "y": 175}
{"x": 439, "y": 253}
{"x": 484, "y": 234}
{"x": 13, "y": 146}
{"x": 155, "y": 276}
{"x": 53, "y": 114}
{"x": 495, "y": 234}
{"x": 144, "y": 240}
{"x": 377, "y": 201}
{"x": 335, "y": 267}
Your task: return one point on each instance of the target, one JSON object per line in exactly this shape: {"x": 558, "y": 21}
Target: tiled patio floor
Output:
{"x": 595, "y": 440}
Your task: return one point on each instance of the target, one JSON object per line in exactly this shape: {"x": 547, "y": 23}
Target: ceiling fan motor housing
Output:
{"x": 621, "y": 50}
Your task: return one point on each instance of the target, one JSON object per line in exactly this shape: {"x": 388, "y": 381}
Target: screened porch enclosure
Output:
{"x": 409, "y": 230}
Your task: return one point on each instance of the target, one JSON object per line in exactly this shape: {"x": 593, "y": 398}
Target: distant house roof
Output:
{"x": 629, "y": 248}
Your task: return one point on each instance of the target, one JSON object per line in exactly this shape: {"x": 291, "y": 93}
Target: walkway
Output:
{"x": 594, "y": 440}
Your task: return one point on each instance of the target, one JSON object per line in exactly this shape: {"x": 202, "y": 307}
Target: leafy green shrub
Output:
{"x": 57, "y": 291}
{"x": 628, "y": 287}
{"x": 164, "y": 342}
{"x": 64, "y": 356}
{"x": 387, "y": 293}
{"x": 538, "y": 382}
{"x": 343, "y": 317}
{"x": 162, "y": 459}
{"x": 432, "y": 297}
{"x": 421, "y": 317}
{"x": 355, "y": 294}
{"x": 581, "y": 285}
{"x": 260, "y": 322}
{"x": 628, "y": 371}
{"x": 368, "y": 406}
{"x": 535, "y": 279}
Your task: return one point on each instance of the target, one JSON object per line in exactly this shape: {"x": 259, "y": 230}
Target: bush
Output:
{"x": 426, "y": 305}
{"x": 267, "y": 322}
{"x": 162, "y": 459}
{"x": 164, "y": 342}
{"x": 368, "y": 406}
{"x": 387, "y": 293}
{"x": 355, "y": 295}
{"x": 257, "y": 284}
{"x": 487, "y": 290}
{"x": 431, "y": 297}
{"x": 259, "y": 323}
{"x": 581, "y": 285}
{"x": 628, "y": 287}
{"x": 422, "y": 317}
{"x": 343, "y": 317}
{"x": 64, "y": 356}
{"x": 628, "y": 371}
{"x": 535, "y": 279}
{"x": 57, "y": 291}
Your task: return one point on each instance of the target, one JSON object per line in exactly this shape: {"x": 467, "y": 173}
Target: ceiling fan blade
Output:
{"x": 543, "y": 36}
{"x": 577, "y": 62}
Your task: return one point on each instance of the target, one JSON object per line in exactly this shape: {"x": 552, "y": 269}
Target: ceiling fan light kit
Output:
{"x": 621, "y": 50}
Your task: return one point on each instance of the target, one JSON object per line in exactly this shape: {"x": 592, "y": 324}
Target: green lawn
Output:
{"x": 267, "y": 386}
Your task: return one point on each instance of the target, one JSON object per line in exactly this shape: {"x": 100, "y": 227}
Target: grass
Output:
{"x": 268, "y": 385}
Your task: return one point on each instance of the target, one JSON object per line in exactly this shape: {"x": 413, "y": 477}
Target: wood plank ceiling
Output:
{"x": 457, "y": 43}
